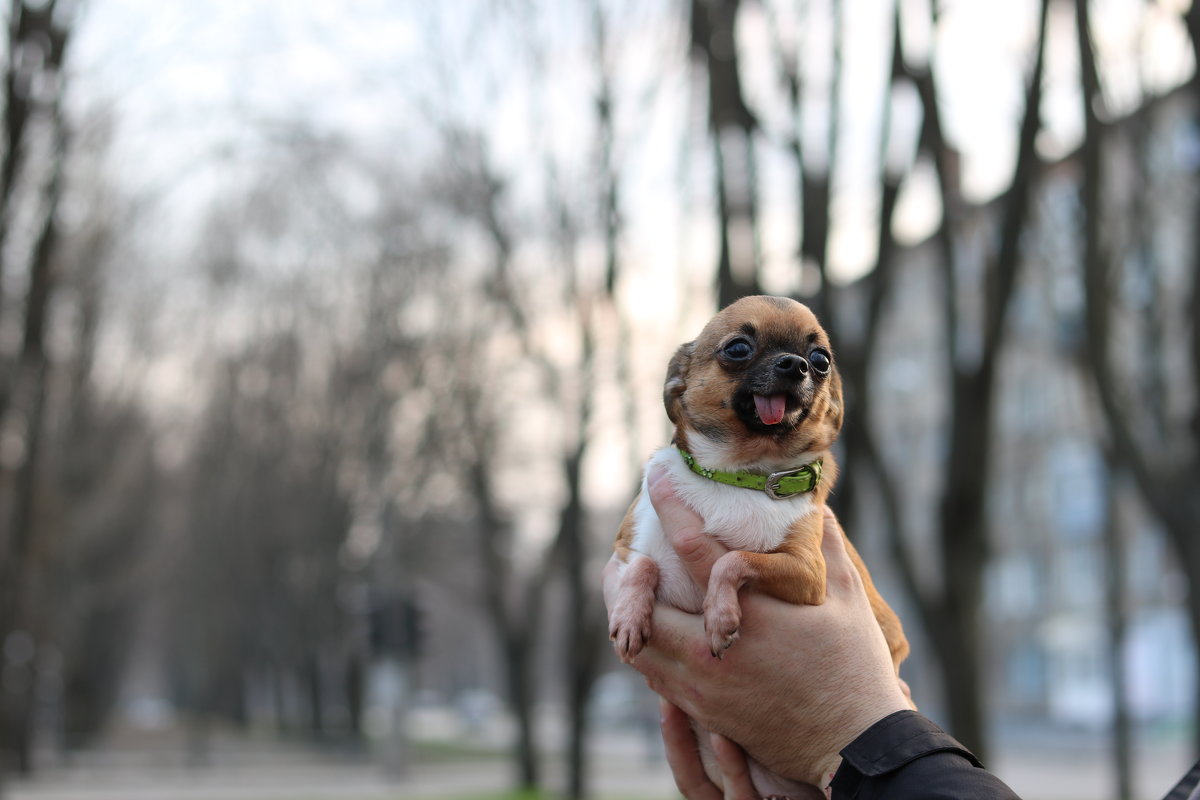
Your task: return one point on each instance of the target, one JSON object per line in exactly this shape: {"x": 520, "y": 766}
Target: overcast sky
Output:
{"x": 190, "y": 81}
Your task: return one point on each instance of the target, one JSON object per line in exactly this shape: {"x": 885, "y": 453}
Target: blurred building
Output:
{"x": 1053, "y": 492}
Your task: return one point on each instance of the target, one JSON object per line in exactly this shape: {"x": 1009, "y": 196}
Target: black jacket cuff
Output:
{"x": 898, "y": 739}
{"x": 904, "y": 756}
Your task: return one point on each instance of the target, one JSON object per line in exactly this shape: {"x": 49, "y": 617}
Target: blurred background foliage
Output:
{"x": 332, "y": 339}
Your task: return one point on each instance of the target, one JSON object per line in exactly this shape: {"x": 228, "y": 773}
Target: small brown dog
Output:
{"x": 757, "y": 403}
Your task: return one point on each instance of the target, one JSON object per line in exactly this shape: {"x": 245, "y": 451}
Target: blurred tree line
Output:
{"x": 388, "y": 375}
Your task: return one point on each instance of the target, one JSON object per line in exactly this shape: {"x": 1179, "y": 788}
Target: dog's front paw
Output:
{"x": 629, "y": 630}
{"x": 629, "y": 622}
{"x": 721, "y": 622}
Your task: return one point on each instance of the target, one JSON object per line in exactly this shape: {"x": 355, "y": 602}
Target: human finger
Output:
{"x": 683, "y": 756}
{"x": 679, "y": 637}
{"x": 833, "y": 539}
{"x": 837, "y": 550}
{"x": 683, "y": 527}
{"x": 675, "y": 656}
{"x": 735, "y": 770}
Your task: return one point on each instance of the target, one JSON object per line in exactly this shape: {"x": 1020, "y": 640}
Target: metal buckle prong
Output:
{"x": 772, "y": 486}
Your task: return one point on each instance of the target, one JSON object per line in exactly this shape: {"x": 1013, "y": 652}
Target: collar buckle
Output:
{"x": 772, "y": 487}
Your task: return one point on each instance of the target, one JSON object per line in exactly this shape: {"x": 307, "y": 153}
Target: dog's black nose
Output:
{"x": 791, "y": 366}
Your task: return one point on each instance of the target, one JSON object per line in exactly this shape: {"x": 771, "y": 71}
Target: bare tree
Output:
{"x": 732, "y": 127}
{"x": 953, "y": 616}
{"x": 292, "y": 459}
{"x": 1161, "y": 454}
{"x": 101, "y": 476}
{"x": 602, "y": 326}
{"x": 36, "y": 46}
{"x": 498, "y": 336}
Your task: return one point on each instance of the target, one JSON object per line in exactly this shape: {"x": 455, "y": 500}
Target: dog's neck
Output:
{"x": 737, "y": 456}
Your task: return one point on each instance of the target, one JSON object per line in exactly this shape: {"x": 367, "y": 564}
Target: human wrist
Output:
{"x": 874, "y": 699}
{"x": 867, "y": 713}
{"x": 816, "y": 759}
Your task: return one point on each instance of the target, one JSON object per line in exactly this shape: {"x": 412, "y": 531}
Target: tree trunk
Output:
{"x": 1193, "y": 607}
{"x": 1180, "y": 523}
{"x": 512, "y": 630}
{"x": 355, "y": 693}
{"x": 585, "y": 632}
{"x": 957, "y": 639}
{"x": 1117, "y": 604}
{"x": 16, "y": 726}
{"x": 316, "y": 700}
{"x": 954, "y": 635}
{"x": 714, "y": 43}
{"x": 278, "y": 701}
{"x": 729, "y": 287}
{"x": 26, "y": 397}
{"x": 529, "y": 777}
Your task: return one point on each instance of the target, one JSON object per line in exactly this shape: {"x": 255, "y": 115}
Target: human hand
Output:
{"x": 802, "y": 681}
{"x": 683, "y": 756}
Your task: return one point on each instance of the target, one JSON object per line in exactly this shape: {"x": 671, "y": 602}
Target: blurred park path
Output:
{"x": 233, "y": 768}
{"x": 1039, "y": 764}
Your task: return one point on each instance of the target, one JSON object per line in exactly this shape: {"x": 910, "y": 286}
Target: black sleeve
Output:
{"x": 1188, "y": 787}
{"x": 903, "y": 756}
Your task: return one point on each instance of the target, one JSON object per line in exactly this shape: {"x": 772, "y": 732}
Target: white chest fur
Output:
{"x": 742, "y": 519}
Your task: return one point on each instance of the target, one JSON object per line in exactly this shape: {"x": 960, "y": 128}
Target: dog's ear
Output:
{"x": 677, "y": 380}
{"x": 837, "y": 406}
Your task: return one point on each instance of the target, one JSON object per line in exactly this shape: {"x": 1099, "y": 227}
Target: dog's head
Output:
{"x": 759, "y": 382}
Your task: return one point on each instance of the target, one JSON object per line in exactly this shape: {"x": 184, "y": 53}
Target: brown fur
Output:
{"x": 624, "y": 544}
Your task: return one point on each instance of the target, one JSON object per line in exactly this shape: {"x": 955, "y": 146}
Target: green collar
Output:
{"x": 777, "y": 485}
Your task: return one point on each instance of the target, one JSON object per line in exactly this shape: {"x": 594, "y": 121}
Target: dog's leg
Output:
{"x": 629, "y": 623}
{"x": 789, "y": 576}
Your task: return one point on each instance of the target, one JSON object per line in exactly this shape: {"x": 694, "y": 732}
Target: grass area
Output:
{"x": 451, "y": 752}
{"x": 517, "y": 795}
{"x": 509, "y": 795}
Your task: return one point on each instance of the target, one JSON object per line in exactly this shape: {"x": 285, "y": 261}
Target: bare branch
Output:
{"x": 1097, "y": 281}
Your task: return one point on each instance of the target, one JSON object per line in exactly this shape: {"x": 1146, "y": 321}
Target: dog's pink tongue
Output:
{"x": 771, "y": 408}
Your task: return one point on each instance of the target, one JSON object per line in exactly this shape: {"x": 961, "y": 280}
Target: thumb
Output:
{"x": 839, "y": 566}
{"x": 683, "y": 528}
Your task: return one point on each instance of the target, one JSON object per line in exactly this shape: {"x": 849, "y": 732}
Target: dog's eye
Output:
{"x": 738, "y": 350}
{"x": 820, "y": 361}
